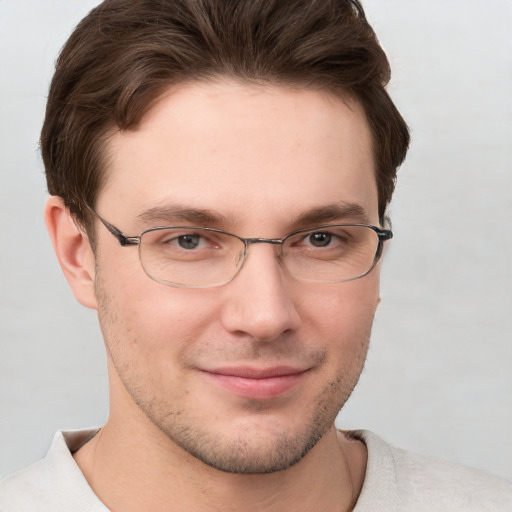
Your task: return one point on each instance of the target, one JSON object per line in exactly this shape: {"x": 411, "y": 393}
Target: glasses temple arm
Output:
{"x": 122, "y": 239}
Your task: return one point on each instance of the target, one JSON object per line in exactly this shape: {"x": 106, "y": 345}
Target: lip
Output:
{"x": 257, "y": 383}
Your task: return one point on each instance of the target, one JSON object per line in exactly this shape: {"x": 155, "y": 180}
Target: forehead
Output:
{"x": 249, "y": 152}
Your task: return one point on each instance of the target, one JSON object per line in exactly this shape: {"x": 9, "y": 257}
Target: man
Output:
{"x": 220, "y": 173}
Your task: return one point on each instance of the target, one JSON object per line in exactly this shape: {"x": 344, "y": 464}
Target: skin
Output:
{"x": 257, "y": 158}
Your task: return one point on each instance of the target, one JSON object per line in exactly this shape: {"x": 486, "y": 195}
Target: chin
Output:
{"x": 251, "y": 451}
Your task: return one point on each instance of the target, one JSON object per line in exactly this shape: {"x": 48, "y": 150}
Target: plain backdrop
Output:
{"x": 439, "y": 373}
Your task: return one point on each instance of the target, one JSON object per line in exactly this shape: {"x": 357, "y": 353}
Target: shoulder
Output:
{"x": 25, "y": 489}
{"x": 53, "y": 483}
{"x": 422, "y": 483}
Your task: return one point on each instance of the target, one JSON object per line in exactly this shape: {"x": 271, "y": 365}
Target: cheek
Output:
{"x": 340, "y": 318}
{"x": 149, "y": 319}
{"x": 343, "y": 308}
{"x": 148, "y": 336}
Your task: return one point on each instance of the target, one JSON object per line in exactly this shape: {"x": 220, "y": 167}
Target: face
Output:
{"x": 248, "y": 376}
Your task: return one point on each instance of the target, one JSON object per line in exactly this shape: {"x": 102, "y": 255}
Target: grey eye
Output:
{"x": 320, "y": 239}
{"x": 189, "y": 241}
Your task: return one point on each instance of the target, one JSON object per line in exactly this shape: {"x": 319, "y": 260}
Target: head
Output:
{"x": 257, "y": 118}
{"x": 124, "y": 55}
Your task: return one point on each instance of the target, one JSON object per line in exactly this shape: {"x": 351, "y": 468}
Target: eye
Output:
{"x": 320, "y": 239}
{"x": 188, "y": 241}
{"x": 181, "y": 240}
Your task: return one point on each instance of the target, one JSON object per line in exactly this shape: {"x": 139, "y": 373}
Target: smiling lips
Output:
{"x": 259, "y": 384}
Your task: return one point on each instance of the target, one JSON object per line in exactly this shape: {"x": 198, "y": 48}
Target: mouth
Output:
{"x": 257, "y": 383}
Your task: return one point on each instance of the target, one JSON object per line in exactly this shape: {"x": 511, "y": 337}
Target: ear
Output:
{"x": 73, "y": 251}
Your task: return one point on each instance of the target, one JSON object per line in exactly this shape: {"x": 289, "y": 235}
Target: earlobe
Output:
{"x": 73, "y": 251}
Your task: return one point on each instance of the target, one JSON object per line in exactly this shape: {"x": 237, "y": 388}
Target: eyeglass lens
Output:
{"x": 200, "y": 257}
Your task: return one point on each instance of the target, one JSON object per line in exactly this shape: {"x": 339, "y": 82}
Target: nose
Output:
{"x": 258, "y": 301}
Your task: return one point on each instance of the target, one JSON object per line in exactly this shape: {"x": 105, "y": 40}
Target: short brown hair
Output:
{"x": 126, "y": 53}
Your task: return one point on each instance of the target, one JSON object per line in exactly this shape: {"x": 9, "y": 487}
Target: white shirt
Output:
{"x": 395, "y": 481}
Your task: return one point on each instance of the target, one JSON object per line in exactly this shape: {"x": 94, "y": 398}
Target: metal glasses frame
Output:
{"x": 124, "y": 240}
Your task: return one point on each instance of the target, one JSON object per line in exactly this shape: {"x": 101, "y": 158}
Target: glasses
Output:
{"x": 196, "y": 257}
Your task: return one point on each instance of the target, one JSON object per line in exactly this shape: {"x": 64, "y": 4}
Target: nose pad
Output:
{"x": 239, "y": 262}
{"x": 241, "y": 257}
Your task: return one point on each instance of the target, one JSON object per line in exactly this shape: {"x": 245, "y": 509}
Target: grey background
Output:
{"x": 438, "y": 378}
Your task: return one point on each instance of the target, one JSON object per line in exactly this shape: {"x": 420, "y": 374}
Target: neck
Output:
{"x": 133, "y": 471}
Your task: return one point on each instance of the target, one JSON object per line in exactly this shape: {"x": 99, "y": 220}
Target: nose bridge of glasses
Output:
{"x": 273, "y": 241}
{"x": 253, "y": 241}
{"x": 256, "y": 241}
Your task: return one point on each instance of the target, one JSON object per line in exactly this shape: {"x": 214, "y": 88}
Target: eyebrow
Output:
{"x": 175, "y": 214}
{"x": 341, "y": 211}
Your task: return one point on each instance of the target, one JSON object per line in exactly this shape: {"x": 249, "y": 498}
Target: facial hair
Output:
{"x": 247, "y": 448}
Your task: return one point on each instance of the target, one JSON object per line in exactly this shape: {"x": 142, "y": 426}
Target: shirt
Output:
{"x": 396, "y": 480}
